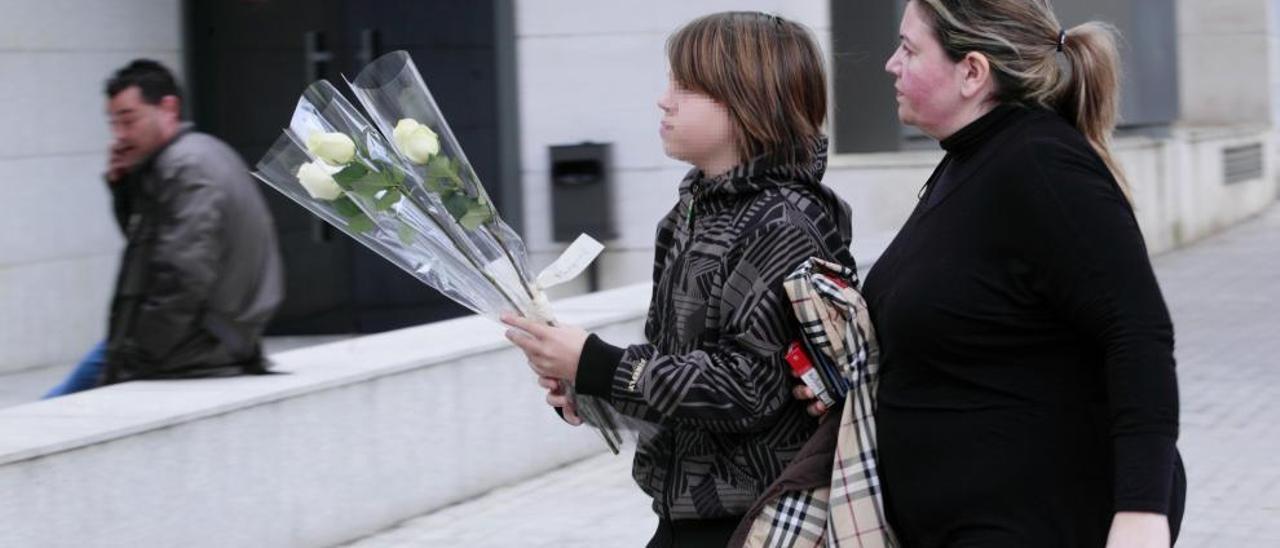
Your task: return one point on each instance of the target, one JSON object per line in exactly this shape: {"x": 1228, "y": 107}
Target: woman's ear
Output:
{"x": 974, "y": 72}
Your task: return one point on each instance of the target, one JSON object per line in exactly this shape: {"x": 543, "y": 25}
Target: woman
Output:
{"x": 1028, "y": 395}
{"x": 745, "y": 106}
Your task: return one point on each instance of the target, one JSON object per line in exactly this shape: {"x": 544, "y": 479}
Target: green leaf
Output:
{"x": 350, "y": 174}
{"x": 397, "y": 175}
{"x": 456, "y": 203}
{"x": 387, "y": 200}
{"x": 372, "y": 183}
{"x": 441, "y": 167}
{"x": 442, "y": 175}
{"x": 367, "y": 189}
{"x": 360, "y": 224}
{"x": 406, "y": 234}
{"x": 477, "y": 214}
{"x": 438, "y": 166}
{"x": 436, "y": 185}
{"x": 386, "y": 179}
{"x": 346, "y": 207}
{"x": 393, "y": 174}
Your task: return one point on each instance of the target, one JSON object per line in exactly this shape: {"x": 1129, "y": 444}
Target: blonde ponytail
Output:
{"x": 1089, "y": 96}
{"x": 1022, "y": 40}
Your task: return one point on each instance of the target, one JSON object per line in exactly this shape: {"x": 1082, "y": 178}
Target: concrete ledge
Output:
{"x": 359, "y": 435}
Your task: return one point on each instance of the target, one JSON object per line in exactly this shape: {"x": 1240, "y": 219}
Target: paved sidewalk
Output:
{"x": 592, "y": 504}
{"x": 1223, "y": 293}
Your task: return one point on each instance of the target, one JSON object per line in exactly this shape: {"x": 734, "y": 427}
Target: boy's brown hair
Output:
{"x": 767, "y": 71}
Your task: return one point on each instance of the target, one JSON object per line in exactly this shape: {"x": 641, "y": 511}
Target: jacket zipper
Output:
{"x": 688, "y": 221}
{"x": 669, "y": 500}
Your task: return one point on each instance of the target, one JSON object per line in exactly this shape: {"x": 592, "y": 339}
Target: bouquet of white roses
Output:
{"x": 401, "y": 186}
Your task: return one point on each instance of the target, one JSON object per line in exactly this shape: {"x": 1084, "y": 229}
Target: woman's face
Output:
{"x": 696, "y": 128}
{"x": 927, "y": 81}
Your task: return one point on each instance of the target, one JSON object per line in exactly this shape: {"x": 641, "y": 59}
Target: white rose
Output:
{"x": 317, "y": 178}
{"x": 335, "y": 148}
{"x": 416, "y": 141}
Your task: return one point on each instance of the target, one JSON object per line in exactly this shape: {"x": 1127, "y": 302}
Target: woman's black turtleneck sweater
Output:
{"x": 1028, "y": 388}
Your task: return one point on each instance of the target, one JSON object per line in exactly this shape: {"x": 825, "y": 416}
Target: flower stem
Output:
{"x": 462, "y": 248}
{"x": 525, "y": 280}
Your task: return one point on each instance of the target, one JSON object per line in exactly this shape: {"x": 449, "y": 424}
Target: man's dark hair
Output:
{"x": 151, "y": 77}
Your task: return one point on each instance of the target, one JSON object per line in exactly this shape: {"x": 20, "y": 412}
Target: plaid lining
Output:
{"x": 850, "y": 511}
{"x": 796, "y": 521}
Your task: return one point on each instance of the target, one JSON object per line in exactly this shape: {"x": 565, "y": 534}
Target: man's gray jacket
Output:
{"x": 201, "y": 273}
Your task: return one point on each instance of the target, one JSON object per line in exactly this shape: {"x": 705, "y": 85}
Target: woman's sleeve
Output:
{"x": 1096, "y": 272}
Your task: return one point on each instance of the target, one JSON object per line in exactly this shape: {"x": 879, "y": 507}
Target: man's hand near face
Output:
{"x": 116, "y": 166}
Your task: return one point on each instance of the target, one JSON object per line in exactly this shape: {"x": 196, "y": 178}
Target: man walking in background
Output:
{"x": 201, "y": 273}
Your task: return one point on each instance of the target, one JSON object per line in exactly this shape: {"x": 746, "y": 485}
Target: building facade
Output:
{"x": 518, "y": 78}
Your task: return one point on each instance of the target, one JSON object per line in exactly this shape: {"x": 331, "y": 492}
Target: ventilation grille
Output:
{"x": 1242, "y": 163}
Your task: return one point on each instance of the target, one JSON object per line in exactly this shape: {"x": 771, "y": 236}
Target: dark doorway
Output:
{"x": 249, "y": 60}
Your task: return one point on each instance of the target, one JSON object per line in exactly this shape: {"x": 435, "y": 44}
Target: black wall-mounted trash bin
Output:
{"x": 581, "y": 194}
